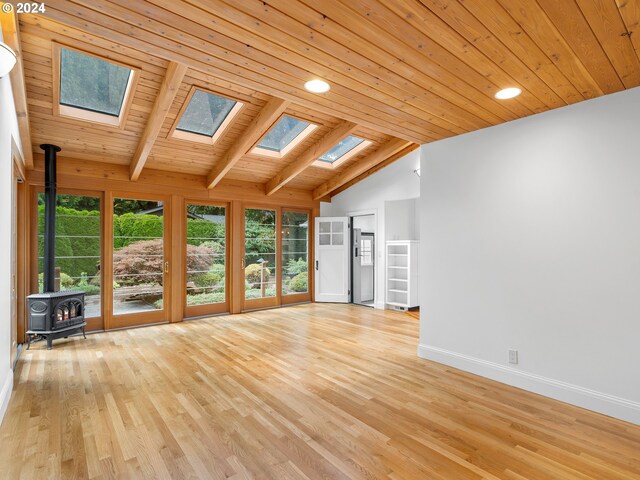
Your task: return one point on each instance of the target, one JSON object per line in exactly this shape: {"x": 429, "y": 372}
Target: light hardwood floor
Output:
{"x": 312, "y": 391}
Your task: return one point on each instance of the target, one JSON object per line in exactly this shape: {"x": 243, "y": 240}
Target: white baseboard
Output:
{"x": 5, "y": 394}
{"x": 613, "y": 406}
{"x": 380, "y": 305}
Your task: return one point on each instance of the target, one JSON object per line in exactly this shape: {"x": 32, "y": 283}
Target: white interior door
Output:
{"x": 332, "y": 259}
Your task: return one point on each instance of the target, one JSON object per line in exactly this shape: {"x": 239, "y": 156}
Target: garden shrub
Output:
{"x": 207, "y": 279}
{"x": 197, "y": 299}
{"x": 138, "y": 260}
{"x": 72, "y": 229}
{"x": 127, "y": 228}
{"x": 204, "y": 231}
{"x": 295, "y": 267}
{"x": 66, "y": 282}
{"x": 299, "y": 283}
{"x": 257, "y": 293}
{"x": 253, "y": 275}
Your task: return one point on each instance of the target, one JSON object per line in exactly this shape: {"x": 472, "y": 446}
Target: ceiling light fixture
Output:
{"x": 7, "y": 59}
{"x": 507, "y": 93}
{"x": 317, "y": 86}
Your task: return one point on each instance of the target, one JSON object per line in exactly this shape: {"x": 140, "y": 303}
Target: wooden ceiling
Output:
{"x": 404, "y": 72}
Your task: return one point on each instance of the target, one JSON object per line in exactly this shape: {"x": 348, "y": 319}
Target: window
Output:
{"x": 138, "y": 256}
{"x": 366, "y": 250}
{"x": 331, "y": 233}
{"x": 77, "y": 247}
{"x": 205, "y": 116}
{"x": 344, "y": 150}
{"x": 260, "y": 254}
{"x": 295, "y": 253}
{"x": 91, "y": 88}
{"x": 284, "y": 137}
{"x": 206, "y": 254}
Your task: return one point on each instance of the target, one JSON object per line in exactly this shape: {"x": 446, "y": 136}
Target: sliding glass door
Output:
{"x": 140, "y": 264}
{"x": 276, "y": 257}
{"x": 206, "y": 260}
{"x": 295, "y": 256}
{"x": 260, "y": 261}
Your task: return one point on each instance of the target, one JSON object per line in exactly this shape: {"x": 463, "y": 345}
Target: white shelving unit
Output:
{"x": 402, "y": 274}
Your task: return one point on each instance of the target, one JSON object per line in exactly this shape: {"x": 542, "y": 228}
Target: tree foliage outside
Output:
{"x": 141, "y": 263}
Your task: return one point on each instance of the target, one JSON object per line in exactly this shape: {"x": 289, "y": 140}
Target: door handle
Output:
{"x": 242, "y": 264}
{"x": 356, "y": 252}
{"x": 316, "y": 264}
{"x": 166, "y": 267}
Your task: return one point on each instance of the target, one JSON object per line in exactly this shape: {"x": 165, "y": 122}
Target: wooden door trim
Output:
{"x": 152, "y": 316}
{"x": 268, "y": 302}
{"x": 209, "y": 308}
{"x": 304, "y": 296}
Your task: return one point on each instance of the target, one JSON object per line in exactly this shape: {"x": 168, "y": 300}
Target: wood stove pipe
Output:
{"x": 49, "y": 274}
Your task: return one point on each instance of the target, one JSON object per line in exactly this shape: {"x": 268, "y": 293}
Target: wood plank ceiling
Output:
{"x": 404, "y": 72}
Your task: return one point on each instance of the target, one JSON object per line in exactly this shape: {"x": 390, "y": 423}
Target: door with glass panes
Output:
{"x": 206, "y": 254}
{"x": 275, "y": 262}
{"x": 140, "y": 263}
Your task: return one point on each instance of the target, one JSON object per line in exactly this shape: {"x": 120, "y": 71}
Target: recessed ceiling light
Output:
{"x": 317, "y": 86}
{"x": 508, "y": 93}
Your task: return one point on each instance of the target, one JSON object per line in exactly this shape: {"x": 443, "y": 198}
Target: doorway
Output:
{"x": 363, "y": 241}
{"x": 275, "y": 261}
{"x": 140, "y": 261}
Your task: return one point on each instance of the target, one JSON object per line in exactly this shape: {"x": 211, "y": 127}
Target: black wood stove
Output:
{"x": 53, "y": 314}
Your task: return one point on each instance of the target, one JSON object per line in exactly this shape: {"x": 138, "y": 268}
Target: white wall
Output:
{"x": 366, "y": 223}
{"x": 531, "y": 240}
{"x": 395, "y": 182}
{"x": 8, "y": 127}
{"x": 401, "y": 219}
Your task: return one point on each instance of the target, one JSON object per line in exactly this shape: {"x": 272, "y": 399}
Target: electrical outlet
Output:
{"x": 513, "y": 356}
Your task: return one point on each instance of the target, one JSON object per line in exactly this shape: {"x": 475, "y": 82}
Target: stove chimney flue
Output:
{"x": 50, "y": 152}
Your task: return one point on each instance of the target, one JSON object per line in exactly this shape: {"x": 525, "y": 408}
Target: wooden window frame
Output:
{"x": 303, "y": 296}
{"x": 176, "y": 134}
{"x": 195, "y": 311}
{"x": 266, "y": 302}
{"x": 93, "y": 323}
{"x": 128, "y": 320}
{"x": 265, "y": 152}
{"x": 79, "y": 113}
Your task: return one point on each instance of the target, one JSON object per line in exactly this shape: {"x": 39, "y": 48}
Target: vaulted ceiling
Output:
{"x": 402, "y": 72}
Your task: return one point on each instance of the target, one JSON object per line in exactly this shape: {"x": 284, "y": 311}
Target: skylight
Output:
{"x": 205, "y": 113}
{"x": 342, "y": 148}
{"x": 284, "y": 136}
{"x": 91, "y": 84}
{"x": 204, "y": 116}
{"x": 342, "y": 151}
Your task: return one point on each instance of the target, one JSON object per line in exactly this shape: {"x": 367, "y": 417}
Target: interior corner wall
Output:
{"x": 8, "y": 129}
{"x": 394, "y": 182}
{"x": 531, "y": 241}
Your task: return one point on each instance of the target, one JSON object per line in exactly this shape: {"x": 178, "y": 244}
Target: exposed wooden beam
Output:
{"x": 385, "y": 151}
{"x": 168, "y": 90}
{"x": 254, "y": 131}
{"x": 11, "y": 35}
{"x": 310, "y": 155}
{"x": 378, "y": 167}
